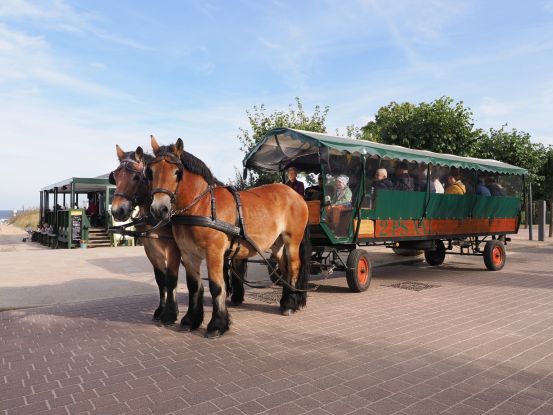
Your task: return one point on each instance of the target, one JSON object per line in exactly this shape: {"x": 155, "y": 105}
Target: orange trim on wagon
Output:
{"x": 428, "y": 227}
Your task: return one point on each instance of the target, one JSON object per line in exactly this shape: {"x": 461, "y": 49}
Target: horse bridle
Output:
{"x": 171, "y": 159}
{"x": 128, "y": 164}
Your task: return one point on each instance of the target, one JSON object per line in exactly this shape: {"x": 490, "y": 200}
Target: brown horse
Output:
{"x": 132, "y": 190}
{"x": 274, "y": 217}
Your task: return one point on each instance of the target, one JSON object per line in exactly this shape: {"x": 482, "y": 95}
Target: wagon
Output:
{"x": 416, "y": 218}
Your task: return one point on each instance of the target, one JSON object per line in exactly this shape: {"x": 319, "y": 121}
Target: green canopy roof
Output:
{"x": 281, "y": 146}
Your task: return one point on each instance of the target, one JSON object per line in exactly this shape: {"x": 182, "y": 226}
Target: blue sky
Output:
{"x": 77, "y": 77}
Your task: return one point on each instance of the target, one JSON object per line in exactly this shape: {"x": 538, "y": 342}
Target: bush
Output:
{"x": 29, "y": 217}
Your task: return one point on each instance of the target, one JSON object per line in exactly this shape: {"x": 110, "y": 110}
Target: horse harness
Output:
{"x": 128, "y": 164}
{"x": 237, "y": 232}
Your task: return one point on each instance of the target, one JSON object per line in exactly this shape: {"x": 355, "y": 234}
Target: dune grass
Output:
{"x": 29, "y": 217}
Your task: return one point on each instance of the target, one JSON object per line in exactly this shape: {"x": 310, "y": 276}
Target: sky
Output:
{"x": 78, "y": 77}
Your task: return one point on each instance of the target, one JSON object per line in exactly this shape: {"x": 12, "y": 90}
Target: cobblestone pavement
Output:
{"x": 477, "y": 342}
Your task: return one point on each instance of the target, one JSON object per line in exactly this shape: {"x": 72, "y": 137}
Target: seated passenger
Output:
{"x": 342, "y": 193}
{"x": 293, "y": 183}
{"x": 455, "y": 185}
{"x": 422, "y": 180}
{"x": 340, "y": 201}
{"x": 495, "y": 188}
{"x": 403, "y": 180}
{"x": 381, "y": 180}
{"x": 315, "y": 192}
{"x": 481, "y": 189}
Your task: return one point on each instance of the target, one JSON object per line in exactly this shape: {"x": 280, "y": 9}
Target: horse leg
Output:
{"x": 280, "y": 252}
{"x": 291, "y": 300}
{"x": 171, "y": 310}
{"x": 160, "y": 280}
{"x": 195, "y": 313}
{"x": 220, "y": 320}
{"x": 238, "y": 273}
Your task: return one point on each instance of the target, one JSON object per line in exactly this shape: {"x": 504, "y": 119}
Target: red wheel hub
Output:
{"x": 363, "y": 271}
{"x": 497, "y": 256}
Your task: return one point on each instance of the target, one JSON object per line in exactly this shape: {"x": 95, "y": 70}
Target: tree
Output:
{"x": 261, "y": 122}
{"x": 515, "y": 147}
{"x": 439, "y": 126}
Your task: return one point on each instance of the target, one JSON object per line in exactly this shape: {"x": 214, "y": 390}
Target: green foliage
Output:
{"x": 514, "y": 147}
{"x": 439, "y": 126}
{"x": 261, "y": 122}
{"x": 547, "y": 172}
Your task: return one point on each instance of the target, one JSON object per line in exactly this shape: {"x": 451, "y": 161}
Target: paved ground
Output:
{"x": 478, "y": 342}
{"x": 32, "y": 275}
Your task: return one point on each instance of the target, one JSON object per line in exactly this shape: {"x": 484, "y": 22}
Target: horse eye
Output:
{"x": 178, "y": 173}
{"x": 149, "y": 174}
{"x": 111, "y": 178}
{"x": 136, "y": 177}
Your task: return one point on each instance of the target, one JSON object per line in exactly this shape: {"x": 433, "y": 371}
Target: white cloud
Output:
{"x": 23, "y": 8}
{"x": 58, "y": 15}
{"x": 31, "y": 59}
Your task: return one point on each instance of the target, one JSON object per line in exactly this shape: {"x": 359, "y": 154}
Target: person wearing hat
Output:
{"x": 342, "y": 193}
{"x": 340, "y": 200}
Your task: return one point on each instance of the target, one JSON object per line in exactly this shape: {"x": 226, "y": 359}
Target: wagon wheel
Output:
{"x": 494, "y": 255}
{"x": 359, "y": 271}
{"x": 437, "y": 256}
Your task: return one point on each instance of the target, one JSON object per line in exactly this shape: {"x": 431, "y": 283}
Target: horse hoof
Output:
{"x": 234, "y": 303}
{"x": 287, "y": 312}
{"x": 185, "y": 327}
{"x": 213, "y": 334}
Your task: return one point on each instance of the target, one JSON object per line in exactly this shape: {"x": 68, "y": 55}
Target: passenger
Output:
{"x": 422, "y": 179}
{"x": 481, "y": 189}
{"x": 455, "y": 185}
{"x": 495, "y": 188}
{"x": 293, "y": 183}
{"x": 403, "y": 180}
{"x": 342, "y": 193}
{"x": 315, "y": 192}
{"x": 438, "y": 186}
{"x": 381, "y": 180}
{"x": 340, "y": 201}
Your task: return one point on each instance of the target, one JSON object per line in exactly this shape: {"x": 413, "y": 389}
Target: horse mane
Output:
{"x": 193, "y": 164}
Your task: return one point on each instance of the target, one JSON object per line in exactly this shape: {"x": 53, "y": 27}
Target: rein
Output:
{"x": 237, "y": 232}
{"x": 129, "y": 165}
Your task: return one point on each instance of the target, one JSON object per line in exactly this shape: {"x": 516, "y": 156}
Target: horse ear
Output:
{"x": 179, "y": 147}
{"x": 155, "y": 145}
{"x": 120, "y": 152}
{"x": 138, "y": 154}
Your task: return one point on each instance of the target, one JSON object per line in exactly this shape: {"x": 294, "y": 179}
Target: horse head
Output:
{"x": 165, "y": 173}
{"x": 130, "y": 186}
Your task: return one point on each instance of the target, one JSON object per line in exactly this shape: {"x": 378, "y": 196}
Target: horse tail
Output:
{"x": 306, "y": 252}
